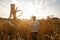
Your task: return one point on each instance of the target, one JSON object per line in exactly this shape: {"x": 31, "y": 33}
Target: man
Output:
{"x": 34, "y": 28}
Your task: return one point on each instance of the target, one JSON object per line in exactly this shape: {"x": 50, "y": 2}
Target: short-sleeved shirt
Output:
{"x": 34, "y": 26}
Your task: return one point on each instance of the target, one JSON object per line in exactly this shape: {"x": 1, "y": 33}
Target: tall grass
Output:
{"x": 47, "y": 28}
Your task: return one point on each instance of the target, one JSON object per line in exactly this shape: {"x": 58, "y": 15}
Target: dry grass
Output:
{"x": 20, "y": 30}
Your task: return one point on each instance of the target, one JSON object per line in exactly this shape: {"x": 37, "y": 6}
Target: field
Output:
{"x": 48, "y": 29}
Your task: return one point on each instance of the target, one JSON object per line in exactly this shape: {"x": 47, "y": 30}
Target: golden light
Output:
{"x": 30, "y": 9}
{"x": 26, "y": 13}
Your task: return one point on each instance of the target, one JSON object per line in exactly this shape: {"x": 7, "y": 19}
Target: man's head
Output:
{"x": 33, "y": 18}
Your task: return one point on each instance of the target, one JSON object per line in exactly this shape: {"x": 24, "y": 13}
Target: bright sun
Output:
{"x": 30, "y": 9}
{"x": 24, "y": 8}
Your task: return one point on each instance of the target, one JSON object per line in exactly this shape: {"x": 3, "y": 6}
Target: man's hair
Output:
{"x": 33, "y": 17}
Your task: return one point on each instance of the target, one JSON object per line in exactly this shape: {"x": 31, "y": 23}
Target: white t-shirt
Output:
{"x": 34, "y": 27}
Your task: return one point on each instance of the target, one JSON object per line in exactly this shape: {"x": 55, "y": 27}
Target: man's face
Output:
{"x": 34, "y": 19}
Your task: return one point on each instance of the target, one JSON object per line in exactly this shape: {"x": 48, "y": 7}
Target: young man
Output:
{"x": 34, "y": 28}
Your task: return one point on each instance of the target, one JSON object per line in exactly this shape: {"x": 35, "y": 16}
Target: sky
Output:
{"x": 38, "y": 8}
